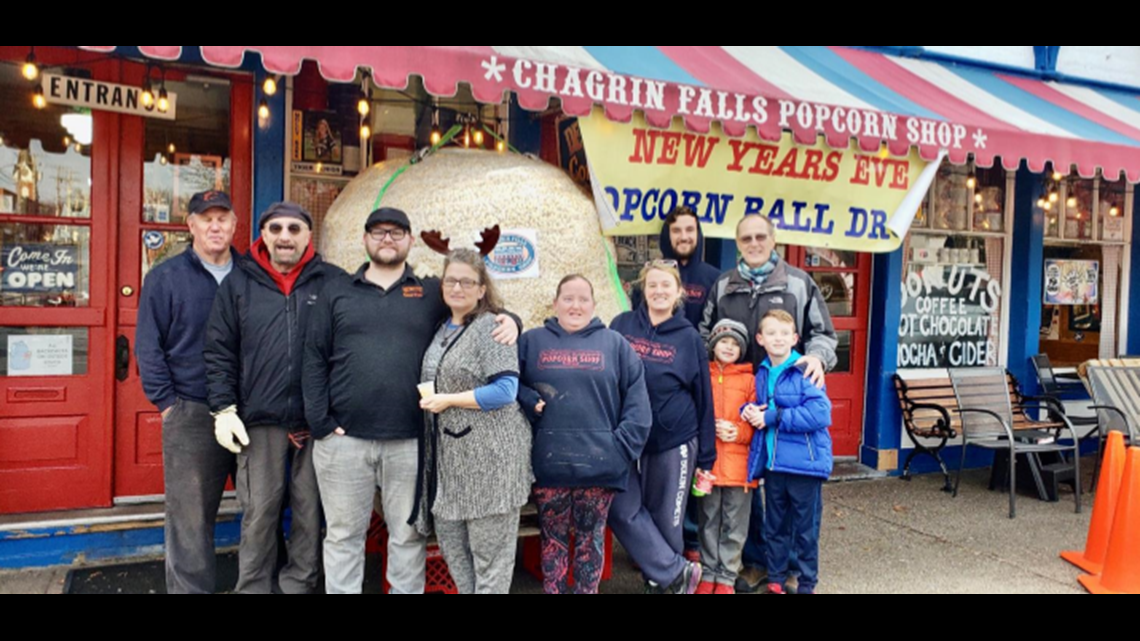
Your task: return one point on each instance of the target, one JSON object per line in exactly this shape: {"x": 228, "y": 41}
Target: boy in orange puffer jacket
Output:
{"x": 724, "y": 514}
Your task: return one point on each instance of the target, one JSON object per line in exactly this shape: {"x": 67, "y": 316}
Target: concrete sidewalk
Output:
{"x": 884, "y": 537}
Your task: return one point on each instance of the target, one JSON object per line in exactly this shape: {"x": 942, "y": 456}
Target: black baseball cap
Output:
{"x": 287, "y": 210}
{"x": 387, "y": 215}
{"x": 204, "y": 201}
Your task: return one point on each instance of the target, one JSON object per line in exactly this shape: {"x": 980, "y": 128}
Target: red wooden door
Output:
{"x": 57, "y": 246}
{"x": 845, "y": 280}
{"x": 209, "y": 146}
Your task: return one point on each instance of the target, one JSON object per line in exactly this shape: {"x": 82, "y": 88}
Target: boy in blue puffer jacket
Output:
{"x": 791, "y": 451}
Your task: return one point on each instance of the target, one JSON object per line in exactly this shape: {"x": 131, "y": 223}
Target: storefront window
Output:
{"x": 45, "y": 154}
{"x": 189, "y": 155}
{"x": 43, "y": 351}
{"x": 45, "y": 265}
{"x": 1083, "y": 310}
{"x": 953, "y": 289}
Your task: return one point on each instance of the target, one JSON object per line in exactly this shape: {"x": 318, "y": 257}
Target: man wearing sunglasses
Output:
{"x": 254, "y": 356}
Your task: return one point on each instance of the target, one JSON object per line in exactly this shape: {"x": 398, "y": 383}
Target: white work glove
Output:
{"x": 229, "y": 430}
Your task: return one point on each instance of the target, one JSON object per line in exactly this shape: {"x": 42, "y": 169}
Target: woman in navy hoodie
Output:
{"x": 648, "y": 518}
{"x": 583, "y": 389}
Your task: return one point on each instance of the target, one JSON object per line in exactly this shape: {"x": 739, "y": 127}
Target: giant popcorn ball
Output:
{"x": 461, "y": 193}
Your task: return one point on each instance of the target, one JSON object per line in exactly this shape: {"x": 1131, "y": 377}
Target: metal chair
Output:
{"x": 1054, "y": 388}
{"x": 1116, "y": 394}
{"x": 987, "y": 421}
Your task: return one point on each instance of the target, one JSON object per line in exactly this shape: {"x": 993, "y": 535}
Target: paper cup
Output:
{"x": 427, "y": 390}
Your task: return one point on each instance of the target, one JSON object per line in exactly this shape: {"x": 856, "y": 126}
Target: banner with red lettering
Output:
{"x": 817, "y": 196}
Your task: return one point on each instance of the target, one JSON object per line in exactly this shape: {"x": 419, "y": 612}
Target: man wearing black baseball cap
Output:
{"x": 254, "y": 353}
{"x": 174, "y": 308}
{"x": 363, "y": 362}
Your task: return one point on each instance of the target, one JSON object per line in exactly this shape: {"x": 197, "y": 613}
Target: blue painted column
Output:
{"x": 882, "y": 426}
{"x": 269, "y": 152}
{"x": 1134, "y": 300}
{"x": 525, "y": 130}
{"x": 1023, "y": 301}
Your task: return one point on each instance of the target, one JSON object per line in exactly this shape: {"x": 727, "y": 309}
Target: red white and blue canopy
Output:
{"x": 839, "y": 92}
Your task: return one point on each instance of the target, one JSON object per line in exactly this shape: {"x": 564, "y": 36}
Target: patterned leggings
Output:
{"x": 586, "y": 513}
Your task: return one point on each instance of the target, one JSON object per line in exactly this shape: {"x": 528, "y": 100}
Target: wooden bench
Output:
{"x": 930, "y": 411}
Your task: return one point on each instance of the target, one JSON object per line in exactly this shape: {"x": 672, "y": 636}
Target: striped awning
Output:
{"x": 839, "y": 92}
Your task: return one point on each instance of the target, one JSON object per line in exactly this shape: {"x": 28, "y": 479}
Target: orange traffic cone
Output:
{"x": 1107, "y": 496}
{"x": 1122, "y": 565}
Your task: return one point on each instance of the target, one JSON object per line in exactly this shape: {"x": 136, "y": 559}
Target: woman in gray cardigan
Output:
{"x": 478, "y": 445}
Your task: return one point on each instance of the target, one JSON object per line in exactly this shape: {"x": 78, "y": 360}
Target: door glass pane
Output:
{"x": 45, "y": 154}
{"x": 843, "y": 353}
{"x": 188, "y": 155}
{"x": 838, "y": 290}
{"x": 43, "y": 351}
{"x": 160, "y": 246}
{"x": 830, "y": 258}
{"x": 45, "y": 265}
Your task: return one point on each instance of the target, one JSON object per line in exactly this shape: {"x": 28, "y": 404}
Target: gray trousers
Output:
{"x": 266, "y": 467}
{"x": 480, "y": 553}
{"x": 724, "y": 518}
{"x": 195, "y": 470}
{"x": 349, "y": 470}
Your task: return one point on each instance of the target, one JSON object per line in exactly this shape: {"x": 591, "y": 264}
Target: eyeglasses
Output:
{"x": 663, "y": 262}
{"x": 748, "y": 240}
{"x": 395, "y": 234}
{"x": 467, "y": 284}
{"x": 277, "y": 228}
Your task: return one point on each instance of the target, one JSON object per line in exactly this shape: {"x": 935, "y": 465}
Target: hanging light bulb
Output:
{"x": 1072, "y": 202}
{"x": 1058, "y": 176}
{"x": 1041, "y": 202}
{"x": 467, "y": 137}
{"x": 171, "y": 148}
{"x": 435, "y": 137}
{"x": 978, "y": 198}
{"x": 363, "y": 106}
{"x": 38, "y": 98}
{"x": 263, "y": 110}
{"x": 500, "y": 146}
{"x": 78, "y": 148}
{"x": 67, "y": 141}
{"x": 971, "y": 182}
{"x": 365, "y": 130}
{"x": 30, "y": 69}
{"x": 270, "y": 86}
{"x": 478, "y": 137}
{"x": 1054, "y": 197}
{"x": 147, "y": 97}
{"x": 1114, "y": 212}
{"x": 1048, "y": 206}
{"x": 162, "y": 160}
{"x": 163, "y": 99}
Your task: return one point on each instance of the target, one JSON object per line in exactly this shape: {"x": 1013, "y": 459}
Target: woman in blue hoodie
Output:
{"x": 583, "y": 389}
{"x": 648, "y": 518}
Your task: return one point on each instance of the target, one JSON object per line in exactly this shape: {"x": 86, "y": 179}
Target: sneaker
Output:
{"x": 653, "y": 588}
{"x": 793, "y": 584}
{"x": 805, "y": 590}
{"x": 707, "y": 588}
{"x": 725, "y": 589}
{"x": 751, "y": 580}
{"x": 692, "y": 556}
{"x": 689, "y": 580}
{"x": 776, "y": 588}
